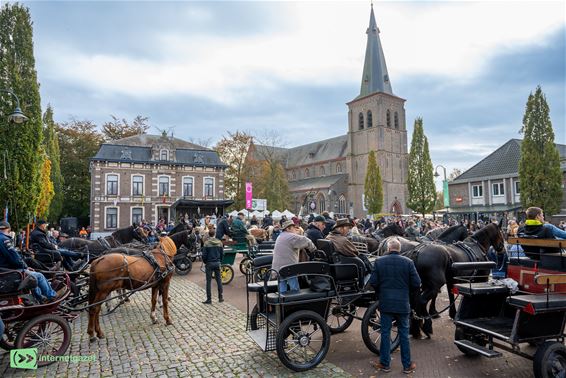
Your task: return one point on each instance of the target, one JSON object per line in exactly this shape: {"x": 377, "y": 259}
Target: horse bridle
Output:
{"x": 138, "y": 235}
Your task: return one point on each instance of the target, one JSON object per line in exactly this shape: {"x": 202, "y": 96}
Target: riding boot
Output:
{"x": 220, "y": 299}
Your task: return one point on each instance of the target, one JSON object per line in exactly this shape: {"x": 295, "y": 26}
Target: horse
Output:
{"x": 258, "y": 233}
{"x": 389, "y": 230}
{"x": 117, "y": 238}
{"x": 434, "y": 265}
{"x": 181, "y": 226}
{"x": 117, "y": 271}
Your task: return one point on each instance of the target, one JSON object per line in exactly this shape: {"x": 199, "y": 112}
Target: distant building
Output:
{"x": 153, "y": 177}
{"x": 329, "y": 175}
{"x": 491, "y": 187}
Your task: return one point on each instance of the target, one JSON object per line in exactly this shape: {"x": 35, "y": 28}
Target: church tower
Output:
{"x": 376, "y": 121}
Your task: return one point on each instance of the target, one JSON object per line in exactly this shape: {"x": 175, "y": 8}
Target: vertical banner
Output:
{"x": 445, "y": 191}
{"x": 248, "y": 195}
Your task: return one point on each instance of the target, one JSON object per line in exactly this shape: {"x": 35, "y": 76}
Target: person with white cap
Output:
{"x": 11, "y": 259}
{"x": 286, "y": 252}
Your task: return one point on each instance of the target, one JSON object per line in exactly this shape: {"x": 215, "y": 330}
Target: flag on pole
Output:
{"x": 249, "y": 190}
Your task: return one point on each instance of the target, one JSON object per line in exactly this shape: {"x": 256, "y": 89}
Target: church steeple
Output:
{"x": 375, "y": 77}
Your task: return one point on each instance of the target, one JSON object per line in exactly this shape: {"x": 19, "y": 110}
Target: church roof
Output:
{"x": 375, "y": 77}
{"x": 502, "y": 162}
{"x": 318, "y": 152}
{"x": 315, "y": 183}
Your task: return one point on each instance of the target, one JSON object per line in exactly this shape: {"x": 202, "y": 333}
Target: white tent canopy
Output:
{"x": 288, "y": 214}
{"x": 276, "y": 214}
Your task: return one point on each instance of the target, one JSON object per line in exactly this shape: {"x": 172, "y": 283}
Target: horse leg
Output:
{"x": 432, "y": 308}
{"x": 154, "y": 292}
{"x": 99, "y": 332}
{"x": 452, "y": 310}
{"x": 428, "y": 294}
{"x": 165, "y": 296}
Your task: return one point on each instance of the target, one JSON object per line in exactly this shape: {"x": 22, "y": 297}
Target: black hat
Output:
{"x": 319, "y": 218}
{"x": 42, "y": 221}
{"x": 4, "y": 225}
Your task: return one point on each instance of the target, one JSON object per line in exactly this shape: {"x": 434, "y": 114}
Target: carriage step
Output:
{"x": 467, "y": 344}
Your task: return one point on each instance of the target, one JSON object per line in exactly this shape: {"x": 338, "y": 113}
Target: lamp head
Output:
{"x": 17, "y": 116}
{"x": 436, "y": 174}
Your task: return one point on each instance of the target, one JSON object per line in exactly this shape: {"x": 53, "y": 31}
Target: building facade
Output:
{"x": 491, "y": 187}
{"x": 152, "y": 177}
{"x": 329, "y": 175}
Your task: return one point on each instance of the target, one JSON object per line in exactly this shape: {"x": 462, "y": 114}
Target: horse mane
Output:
{"x": 453, "y": 233}
{"x": 168, "y": 245}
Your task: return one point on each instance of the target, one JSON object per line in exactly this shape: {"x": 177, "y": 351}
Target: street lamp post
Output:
{"x": 444, "y": 186}
{"x": 17, "y": 116}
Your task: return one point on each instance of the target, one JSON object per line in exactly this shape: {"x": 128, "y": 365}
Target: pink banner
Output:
{"x": 248, "y": 195}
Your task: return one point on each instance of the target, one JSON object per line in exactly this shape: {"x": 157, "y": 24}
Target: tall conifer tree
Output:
{"x": 52, "y": 149}
{"x": 422, "y": 192}
{"x": 373, "y": 188}
{"x": 540, "y": 178}
{"x": 20, "y": 144}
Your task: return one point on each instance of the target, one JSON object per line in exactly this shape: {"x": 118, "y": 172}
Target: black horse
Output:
{"x": 117, "y": 238}
{"x": 449, "y": 235}
{"x": 373, "y": 242}
{"x": 434, "y": 265}
{"x": 181, "y": 226}
{"x": 183, "y": 239}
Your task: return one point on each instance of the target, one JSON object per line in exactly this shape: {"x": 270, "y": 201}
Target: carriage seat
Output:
{"x": 344, "y": 269}
{"x": 301, "y": 295}
{"x": 260, "y": 287}
{"x": 481, "y": 288}
{"x": 304, "y": 269}
{"x": 266, "y": 260}
{"x": 15, "y": 281}
{"x": 539, "y": 302}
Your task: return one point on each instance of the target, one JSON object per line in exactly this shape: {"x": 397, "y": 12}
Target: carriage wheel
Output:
{"x": 183, "y": 266}
{"x": 467, "y": 334}
{"x": 246, "y": 266}
{"x": 50, "y": 334}
{"x": 340, "y": 317}
{"x": 8, "y": 339}
{"x": 550, "y": 360}
{"x": 260, "y": 274}
{"x": 253, "y": 318}
{"x": 371, "y": 330}
{"x": 226, "y": 274}
{"x": 303, "y": 340}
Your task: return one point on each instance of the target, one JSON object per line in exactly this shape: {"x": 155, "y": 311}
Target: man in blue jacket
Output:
{"x": 394, "y": 277}
{"x": 11, "y": 259}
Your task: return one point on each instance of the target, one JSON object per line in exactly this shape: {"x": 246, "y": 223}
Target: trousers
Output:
{"x": 209, "y": 269}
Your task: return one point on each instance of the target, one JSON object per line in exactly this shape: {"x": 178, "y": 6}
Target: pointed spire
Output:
{"x": 375, "y": 77}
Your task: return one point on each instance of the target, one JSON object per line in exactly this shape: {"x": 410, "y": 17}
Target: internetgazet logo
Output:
{"x": 23, "y": 358}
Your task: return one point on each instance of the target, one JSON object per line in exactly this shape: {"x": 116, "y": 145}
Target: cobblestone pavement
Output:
{"x": 204, "y": 341}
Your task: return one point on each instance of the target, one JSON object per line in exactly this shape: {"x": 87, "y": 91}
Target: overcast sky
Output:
{"x": 204, "y": 68}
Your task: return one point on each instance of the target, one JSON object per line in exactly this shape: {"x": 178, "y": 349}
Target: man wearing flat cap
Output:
{"x": 315, "y": 228}
{"x": 286, "y": 252}
{"x": 339, "y": 239}
{"x": 11, "y": 259}
{"x": 47, "y": 252}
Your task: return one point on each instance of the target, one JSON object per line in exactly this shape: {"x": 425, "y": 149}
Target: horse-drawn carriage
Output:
{"x": 298, "y": 325}
{"x": 30, "y": 323}
{"x": 492, "y": 316}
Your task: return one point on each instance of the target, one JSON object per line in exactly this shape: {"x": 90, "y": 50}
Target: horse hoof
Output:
{"x": 93, "y": 339}
{"x": 127, "y": 300}
{"x": 153, "y": 321}
{"x": 101, "y": 336}
{"x": 169, "y": 322}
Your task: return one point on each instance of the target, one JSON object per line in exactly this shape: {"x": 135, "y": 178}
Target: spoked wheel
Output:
{"x": 183, "y": 266}
{"x": 340, "y": 317}
{"x": 371, "y": 330}
{"x": 260, "y": 273}
{"x": 550, "y": 360}
{"x": 226, "y": 274}
{"x": 303, "y": 340}
{"x": 246, "y": 266}
{"x": 8, "y": 338}
{"x": 50, "y": 334}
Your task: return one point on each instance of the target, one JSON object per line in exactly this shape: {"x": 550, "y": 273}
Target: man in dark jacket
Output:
{"x": 329, "y": 223}
{"x": 11, "y": 259}
{"x": 394, "y": 277}
{"x": 222, "y": 228}
{"x": 47, "y": 252}
{"x": 314, "y": 230}
{"x": 212, "y": 255}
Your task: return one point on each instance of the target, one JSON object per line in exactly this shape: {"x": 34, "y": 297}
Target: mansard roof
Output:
{"x": 502, "y": 162}
{"x": 137, "y": 149}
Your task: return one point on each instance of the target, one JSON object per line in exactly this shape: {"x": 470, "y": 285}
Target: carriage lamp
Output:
{"x": 17, "y": 116}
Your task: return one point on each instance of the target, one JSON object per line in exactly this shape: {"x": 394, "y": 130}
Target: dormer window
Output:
{"x": 164, "y": 155}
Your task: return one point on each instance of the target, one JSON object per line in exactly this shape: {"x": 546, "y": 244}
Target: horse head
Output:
{"x": 491, "y": 235}
{"x": 184, "y": 238}
{"x": 140, "y": 233}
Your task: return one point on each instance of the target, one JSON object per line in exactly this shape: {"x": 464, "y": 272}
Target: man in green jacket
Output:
{"x": 239, "y": 230}
{"x": 212, "y": 255}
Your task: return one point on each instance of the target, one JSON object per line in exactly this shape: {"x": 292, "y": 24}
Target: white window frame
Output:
{"x": 204, "y": 185}
{"x": 500, "y": 188}
{"x": 517, "y": 188}
{"x": 183, "y": 186}
{"x": 132, "y": 213}
{"x": 168, "y": 194}
{"x": 106, "y": 183}
{"x": 132, "y": 182}
{"x": 480, "y": 188}
{"x": 342, "y": 204}
{"x": 161, "y": 151}
{"x": 106, "y": 217}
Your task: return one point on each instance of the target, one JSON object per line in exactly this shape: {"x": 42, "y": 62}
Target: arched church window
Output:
{"x": 342, "y": 204}
{"x": 307, "y": 173}
{"x": 361, "y": 121}
{"x": 338, "y": 168}
{"x": 321, "y": 204}
{"x": 396, "y": 120}
{"x": 388, "y": 121}
{"x": 321, "y": 171}
{"x": 370, "y": 119}
{"x": 294, "y": 175}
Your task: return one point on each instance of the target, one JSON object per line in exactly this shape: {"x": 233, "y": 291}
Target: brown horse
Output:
{"x": 97, "y": 247}
{"x": 117, "y": 271}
